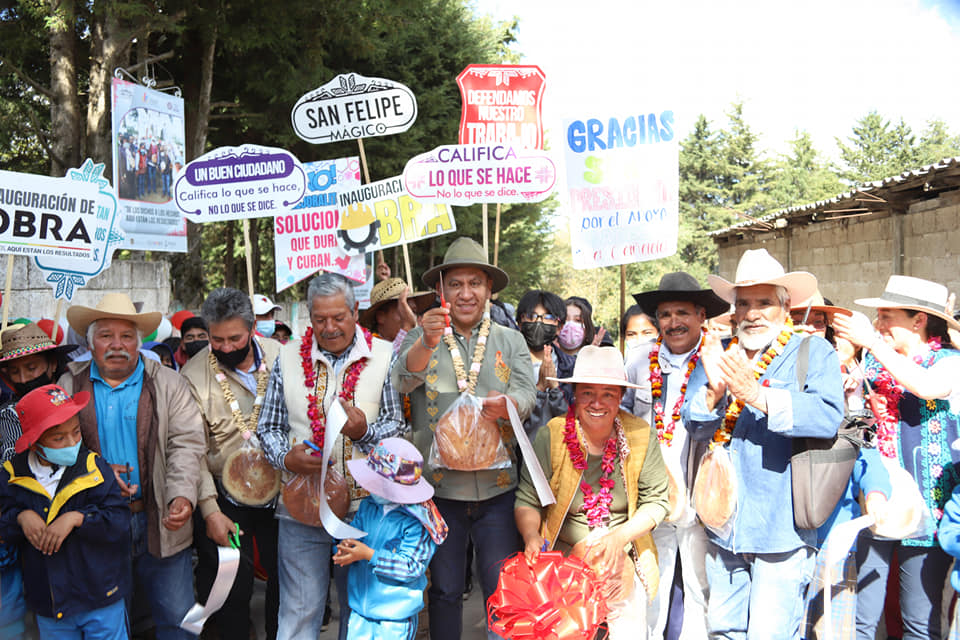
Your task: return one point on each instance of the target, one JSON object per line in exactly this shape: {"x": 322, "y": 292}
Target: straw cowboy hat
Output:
{"x": 907, "y": 292}
{"x": 599, "y": 365}
{"x": 388, "y": 290}
{"x": 818, "y": 303}
{"x": 393, "y": 470}
{"x": 27, "y": 340}
{"x": 681, "y": 287}
{"x": 113, "y": 305}
{"x": 465, "y": 252}
{"x": 756, "y": 266}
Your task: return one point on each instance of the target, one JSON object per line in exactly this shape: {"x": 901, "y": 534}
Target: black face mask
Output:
{"x": 195, "y": 347}
{"x": 23, "y": 388}
{"x": 233, "y": 358}
{"x": 537, "y": 334}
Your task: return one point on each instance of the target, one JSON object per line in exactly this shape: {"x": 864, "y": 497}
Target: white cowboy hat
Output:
{"x": 907, "y": 292}
{"x": 598, "y": 365}
{"x": 113, "y": 305}
{"x": 759, "y": 267}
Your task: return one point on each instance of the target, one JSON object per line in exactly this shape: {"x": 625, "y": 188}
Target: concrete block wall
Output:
{"x": 32, "y": 296}
{"x": 852, "y": 258}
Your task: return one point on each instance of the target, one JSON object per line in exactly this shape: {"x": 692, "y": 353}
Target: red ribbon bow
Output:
{"x": 557, "y": 598}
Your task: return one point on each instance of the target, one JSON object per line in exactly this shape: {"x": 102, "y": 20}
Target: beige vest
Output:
{"x": 366, "y": 396}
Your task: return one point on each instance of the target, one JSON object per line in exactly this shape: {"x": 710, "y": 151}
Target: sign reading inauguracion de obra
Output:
{"x": 352, "y": 106}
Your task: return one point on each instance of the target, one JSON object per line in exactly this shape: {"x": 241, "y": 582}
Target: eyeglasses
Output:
{"x": 539, "y": 317}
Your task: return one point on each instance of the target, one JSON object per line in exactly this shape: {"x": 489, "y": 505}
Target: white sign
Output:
{"x": 69, "y": 225}
{"x": 351, "y": 106}
{"x": 233, "y": 183}
{"x": 466, "y": 174}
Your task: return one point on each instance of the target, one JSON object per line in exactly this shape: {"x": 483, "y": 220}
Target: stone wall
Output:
{"x": 32, "y": 297}
{"x": 853, "y": 257}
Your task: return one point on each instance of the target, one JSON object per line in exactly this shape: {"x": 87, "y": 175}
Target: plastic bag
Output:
{"x": 617, "y": 581}
{"x": 676, "y": 495}
{"x": 907, "y": 514}
{"x": 301, "y": 496}
{"x": 715, "y": 492}
{"x": 247, "y": 476}
{"x": 464, "y": 441}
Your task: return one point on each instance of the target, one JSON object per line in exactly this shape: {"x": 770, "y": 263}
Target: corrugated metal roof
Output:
{"x": 906, "y": 176}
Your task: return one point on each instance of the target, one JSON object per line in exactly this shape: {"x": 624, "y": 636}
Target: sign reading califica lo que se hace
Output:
{"x": 352, "y": 106}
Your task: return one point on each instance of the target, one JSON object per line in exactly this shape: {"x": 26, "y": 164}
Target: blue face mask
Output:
{"x": 380, "y": 499}
{"x": 266, "y": 327}
{"x": 65, "y": 456}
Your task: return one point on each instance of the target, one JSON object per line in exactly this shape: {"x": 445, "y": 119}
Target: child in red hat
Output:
{"x": 61, "y": 504}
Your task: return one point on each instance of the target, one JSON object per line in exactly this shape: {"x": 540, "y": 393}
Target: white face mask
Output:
{"x": 634, "y": 343}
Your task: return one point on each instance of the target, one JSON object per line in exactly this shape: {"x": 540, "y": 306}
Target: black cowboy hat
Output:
{"x": 681, "y": 287}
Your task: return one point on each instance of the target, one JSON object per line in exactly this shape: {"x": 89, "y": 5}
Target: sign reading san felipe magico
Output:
{"x": 352, "y": 106}
{"x": 233, "y": 183}
{"x": 502, "y": 105}
{"x": 467, "y": 174}
{"x": 69, "y": 225}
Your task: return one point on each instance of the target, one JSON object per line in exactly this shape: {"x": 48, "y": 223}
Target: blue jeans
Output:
{"x": 923, "y": 571}
{"x": 491, "y": 525}
{"x": 105, "y": 623}
{"x": 303, "y": 566}
{"x": 13, "y": 607}
{"x": 758, "y": 596}
{"x": 167, "y": 583}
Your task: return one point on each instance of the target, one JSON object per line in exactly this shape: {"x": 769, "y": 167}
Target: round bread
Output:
{"x": 465, "y": 444}
{"x": 301, "y": 496}
{"x": 715, "y": 490}
{"x": 249, "y": 478}
{"x": 676, "y": 497}
{"x": 338, "y": 493}
{"x": 617, "y": 579}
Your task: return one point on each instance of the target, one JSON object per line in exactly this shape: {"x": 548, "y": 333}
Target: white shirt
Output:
{"x": 46, "y": 476}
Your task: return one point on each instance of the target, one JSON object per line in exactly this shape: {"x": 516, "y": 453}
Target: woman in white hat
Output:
{"x": 914, "y": 372}
{"x": 607, "y": 473}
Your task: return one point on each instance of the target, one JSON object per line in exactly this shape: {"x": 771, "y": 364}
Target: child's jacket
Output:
{"x": 92, "y": 568}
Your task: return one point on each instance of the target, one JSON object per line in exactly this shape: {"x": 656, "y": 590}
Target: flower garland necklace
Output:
{"x": 315, "y": 412}
{"x": 465, "y": 383}
{"x": 725, "y": 432}
{"x": 246, "y": 426}
{"x": 890, "y": 392}
{"x": 595, "y": 505}
{"x": 665, "y": 433}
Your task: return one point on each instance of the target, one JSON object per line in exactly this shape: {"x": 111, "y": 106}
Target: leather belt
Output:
{"x": 136, "y": 506}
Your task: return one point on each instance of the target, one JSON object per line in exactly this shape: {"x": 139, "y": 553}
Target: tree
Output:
{"x": 802, "y": 176}
{"x": 936, "y": 143}
{"x": 876, "y": 150}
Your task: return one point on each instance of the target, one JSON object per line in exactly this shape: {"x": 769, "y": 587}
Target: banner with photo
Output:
{"x": 148, "y": 151}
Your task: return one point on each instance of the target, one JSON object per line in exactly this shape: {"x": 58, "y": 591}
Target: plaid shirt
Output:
{"x": 273, "y": 427}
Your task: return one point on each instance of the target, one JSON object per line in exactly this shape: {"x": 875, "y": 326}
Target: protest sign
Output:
{"x": 382, "y": 214}
{"x": 622, "y": 174}
{"x": 235, "y": 183}
{"x": 148, "y": 151}
{"x": 502, "y": 105}
{"x": 467, "y": 174}
{"x": 351, "y": 107}
{"x": 305, "y": 238}
{"x": 69, "y": 225}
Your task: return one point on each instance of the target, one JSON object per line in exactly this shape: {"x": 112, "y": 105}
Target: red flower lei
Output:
{"x": 318, "y": 420}
{"x": 665, "y": 433}
{"x": 889, "y": 392}
{"x": 595, "y": 505}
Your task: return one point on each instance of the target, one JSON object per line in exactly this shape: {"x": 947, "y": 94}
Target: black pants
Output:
{"x": 233, "y": 619}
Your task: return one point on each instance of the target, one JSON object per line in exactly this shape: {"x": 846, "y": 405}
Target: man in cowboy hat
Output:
{"x": 236, "y": 364}
{"x": 340, "y": 359}
{"x": 393, "y": 310}
{"x": 747, "y": 397}
{"x": 145, "y": 423}
{"x": 680, "y": 308}
{"x": 475, "y": 504}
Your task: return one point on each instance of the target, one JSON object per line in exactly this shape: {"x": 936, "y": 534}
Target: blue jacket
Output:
{"x": 92, "y": 568}
{"x": 949, "y": 533}
{"x": 761, "y": 445}
{"x": 390, "y": 585}
{"x": 868, "y": 475}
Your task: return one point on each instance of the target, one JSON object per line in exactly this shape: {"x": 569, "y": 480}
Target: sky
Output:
{"x": 816, "y": 65}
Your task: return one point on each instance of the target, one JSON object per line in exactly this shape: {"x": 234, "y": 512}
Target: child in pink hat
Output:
{"x": 388, "y": 570}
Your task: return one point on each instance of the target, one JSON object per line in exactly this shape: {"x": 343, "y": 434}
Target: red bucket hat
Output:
{"x": 46, "y": 407}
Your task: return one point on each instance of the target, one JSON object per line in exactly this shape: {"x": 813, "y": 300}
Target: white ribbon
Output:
{"x": 336, "y": 418}
{"x": 530, "y": 460}
{"x": 229, "y": 562}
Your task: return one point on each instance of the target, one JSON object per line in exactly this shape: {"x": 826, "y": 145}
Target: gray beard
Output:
{"x": 757, "y": 341}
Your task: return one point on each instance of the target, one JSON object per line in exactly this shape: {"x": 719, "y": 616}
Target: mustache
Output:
{"x": 111, "y": 354}
{"x": 745, "y": 324}
{"x": 677, "y": 331}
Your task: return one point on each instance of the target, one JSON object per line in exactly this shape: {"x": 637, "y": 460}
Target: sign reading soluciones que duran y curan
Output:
{"x": 352, "y": 106}
{"x": 69, "y": 225}
{"x": 467, "y": 174}
{"x": 233, "y": 183}
{"x": 502, "y": 105}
